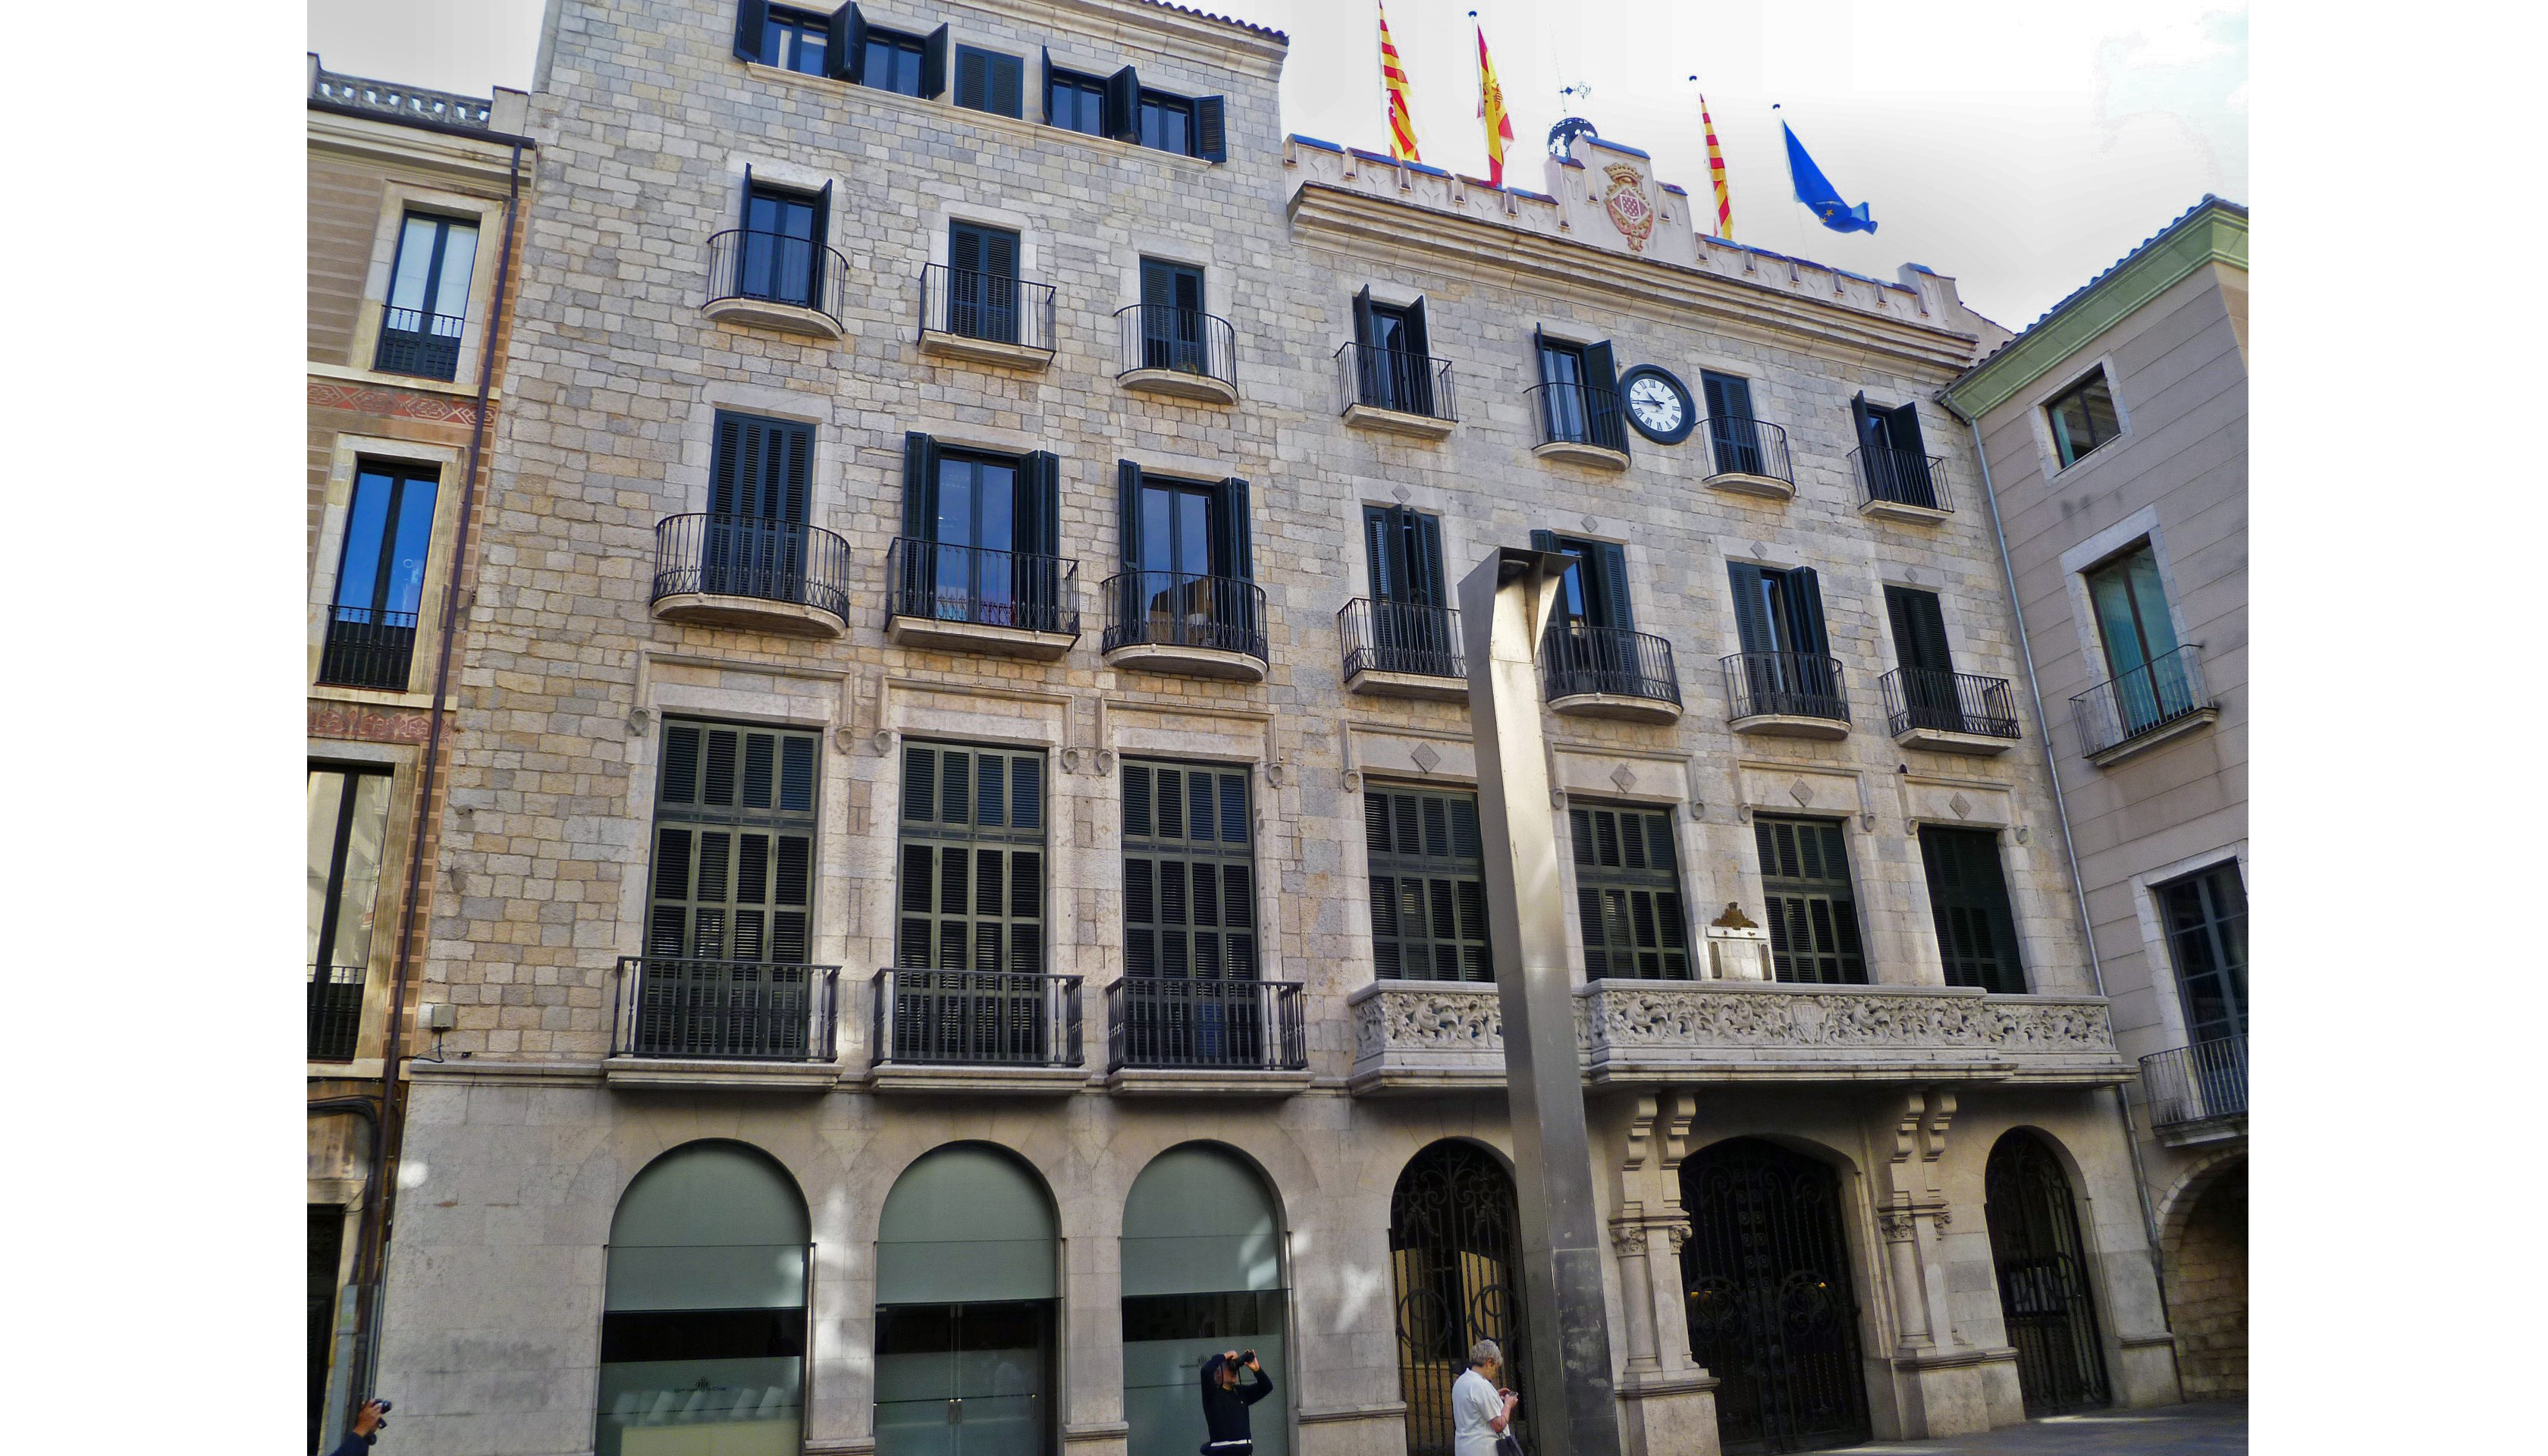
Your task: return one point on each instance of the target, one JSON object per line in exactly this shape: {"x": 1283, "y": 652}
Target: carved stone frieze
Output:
{"x": 1698, "y": 1018}
{"x": 1425, "y": 1019}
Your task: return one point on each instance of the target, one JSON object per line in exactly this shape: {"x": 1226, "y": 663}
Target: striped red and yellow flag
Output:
{"x": 1491, "y": 109}
{"x": 1716, "y": 172}
{"x": 1402, "y": 122}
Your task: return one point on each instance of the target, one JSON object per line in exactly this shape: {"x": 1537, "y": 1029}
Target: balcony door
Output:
{"x": 1395, "y": 370}
{"x": 1812, "y": 909}
{"x": 349, "y": 821}
{"x": 1731, "y": 431}
{"x": 1897, "y": 460}
{"x": 380, "y": 579}
{"x": 755, "y": 542}
{"x": 2206, "y": 914}
{"x": 983, "y": 283}
{"x": 1786, "y": 658}
{"x": 781, "y": 257}
{"x": 1172, "y": 315}
{"x": 1590, "y": 631}
{"x": 428, "y": 300}
{"x": 2139, "y": 637}
{"x": 975, "y": 528}
{"x": 1927, "y": 663}
{"x": 1410, "y": 622}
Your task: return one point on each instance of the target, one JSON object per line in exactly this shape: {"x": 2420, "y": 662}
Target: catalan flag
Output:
{"x": 1716, "y": 172}
{"x": 1491, "y": 109}
{"x": 1402, "y": 122}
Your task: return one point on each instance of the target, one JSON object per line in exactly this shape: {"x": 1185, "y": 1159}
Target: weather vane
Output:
{"x": 1561, "y": 137}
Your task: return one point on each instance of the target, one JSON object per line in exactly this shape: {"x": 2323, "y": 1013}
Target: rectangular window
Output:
{"x": 1812, "y": 912}
{"x": 380, "y": 579}
{"x": 782, "y": 255}
{"x": 2083, "y": 418}
{"x": 2205, "y": 915}
{"x": 349, "y": 821}
{"x": 987, "y": 80}
{"x": 1172, "y": 316}
{"x": 795, "y": 39}
{"x": 734, "y": 845}
{"x": 428, "y": 297}
{"x": 1922, "y": 656}
{"x": 1428, "y": 886}
{"x": 2152, "y": 684}
{"x": 1968, "y": 898}
{"x": 1189, "y": 872}
{"x": 1579, "y": 388}
{"x": 1188, "y": 563}
{"x": 1892, "y": 454}
{"x": 1168, "y": 123}
{"x": 1733, "y": 434}
{"x": 1627, "y": 890}
{"x": 1396, "y": 371}
{"x": 979, "y": 533}
{"x": 1074, "y": 102}
{"x": 1409, "y": 624}
{"x": 893, "y": 61}
{"x": 1787, "y": 663}
{"x": 972, "y": 860}
{"x": 982, "y": 281}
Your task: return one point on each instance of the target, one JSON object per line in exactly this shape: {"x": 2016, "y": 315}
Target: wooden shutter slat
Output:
{"x": 751, "y": 24}
{"x": 932, "y": 64}
{"x": 1211, "y": 141}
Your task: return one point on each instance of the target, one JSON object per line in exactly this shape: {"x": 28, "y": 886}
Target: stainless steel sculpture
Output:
{"x": 1505, "y": 606}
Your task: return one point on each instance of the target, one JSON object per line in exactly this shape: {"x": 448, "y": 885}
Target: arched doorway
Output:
{"x": 967, "y": 1301}
{"x": 1455, "y": 1256}
{"x": 1772, "y": 1315}
{"x": 2206, "y": 1258}
{"x": 703, "y": 1308}
{"x": 2041, "y": 1262}
{"x": 1203, "y": 1273}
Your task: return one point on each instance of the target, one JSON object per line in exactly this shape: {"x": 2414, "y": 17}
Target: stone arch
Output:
{"x": 2042, "y": 1263}
{"x": 2203, "y": 1247}
{"x": 1455, "y": 1271}
{"x": 1203, "y": 1272}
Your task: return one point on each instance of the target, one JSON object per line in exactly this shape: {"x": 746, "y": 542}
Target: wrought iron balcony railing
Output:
{"x": 414, "y": 341}
{"x": 2197, "y": 1083}
{"x": 1181, "y": 609}
{"x": 367, "y": 648}
{"x": 1393, "y": 379}
{"x": 1412, "y": 637}
{"x": 335, "y": 1012}
{"x": 752, "y": 556}
{"x": 724, "y": 1009}
{"x": 1790, "y": 685}
{"x": 990, "y": 306}
{"x": 1578, "y": 414}
{"x": 2166, "y": 688}
{"x": 1749, "y": 447}
{"x": 1900, "y": 478}
{"x": 1180, "y": 340}
{"x": 1948, "y": 703}
{"x": 1223, "y": 1025}
{"x": 982, "y": 588}
{"x": 1578, "y": 658}
{"x": 976, "y": 1018}
{"x": 750, "y": 263}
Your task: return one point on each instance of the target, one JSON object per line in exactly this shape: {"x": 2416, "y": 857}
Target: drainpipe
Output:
{"x": 372, "y": 1260}
{"x": 2069, "y": 849}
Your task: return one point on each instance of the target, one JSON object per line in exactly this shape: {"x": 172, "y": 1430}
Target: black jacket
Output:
{"x": 353, "y": 1445}
{"x": 1224, "y": 1412}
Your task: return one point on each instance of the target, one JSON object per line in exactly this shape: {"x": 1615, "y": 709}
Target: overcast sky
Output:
{"x": 2020, "y": 145}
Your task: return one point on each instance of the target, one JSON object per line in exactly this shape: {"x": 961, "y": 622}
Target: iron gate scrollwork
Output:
{"x": 2045, "y": 1296}
{"x": 1772, "y": 1312}
{"x": 1456, "y": 1259}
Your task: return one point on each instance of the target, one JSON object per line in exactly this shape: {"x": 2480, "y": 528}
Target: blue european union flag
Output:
{"x": 1815, "y": 191}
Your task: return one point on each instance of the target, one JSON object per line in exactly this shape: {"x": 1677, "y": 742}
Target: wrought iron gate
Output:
{"x": 1457, "y": 1262}
{"x": 2044, "y": 1291}
{"x": 1772, "y": 1315}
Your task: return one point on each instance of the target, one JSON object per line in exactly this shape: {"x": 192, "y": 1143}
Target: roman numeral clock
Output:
{"x": 1659, "y": 405}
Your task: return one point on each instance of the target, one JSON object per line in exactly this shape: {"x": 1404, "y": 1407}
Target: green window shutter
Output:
{"x": 750, "y": 23}
{"x": 1751, "y": 615}
{"x": 1211, "y": 141}
{"x": 1038, "y": 509}
{"x": 972, "y": 78}
{"x": 1189, "y": 886}
{"x": 1417, "y": 342}
{"x": 1919, "y": 630}
{"x": 1805, "y": 602}
{"x": 972, "y": 838}
{"x": 844, "y": 47}
{"x": 1428, "y": 893}
{"x": 932, "y": 64}
{"x": 1380, "y": 545}
{"x": 1127, "y": 512}
{"x": 1728, "y": 397}
{"x": 1048, "y": 85}
{"x": 1812, "y": 909}
{"x": 919, "y": 486}
{"x": 1627, "y": 893}
{"x": 1238, "y": 557}
{"x": 1620, "y": 610}
{"x": 1121, "y": 112}
{"x": 1968, "y": 901}
{"x": 1608, "y": 422}
{"x": 734, "y": 845}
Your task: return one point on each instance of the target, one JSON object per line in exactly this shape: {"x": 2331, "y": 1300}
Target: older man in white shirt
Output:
{"x": 1480, "y": 1410}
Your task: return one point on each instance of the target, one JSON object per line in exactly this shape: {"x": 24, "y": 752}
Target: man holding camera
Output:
{"x": 1226, "y": 1402}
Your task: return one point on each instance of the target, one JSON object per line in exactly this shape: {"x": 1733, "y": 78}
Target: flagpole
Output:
{"x": 1792, "y": 199}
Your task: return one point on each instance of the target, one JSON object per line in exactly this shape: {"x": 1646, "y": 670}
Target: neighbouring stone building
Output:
{"x": 2116, "y": 428}
{"x": 961, "y": 833}
{"x": 408, "y": 197}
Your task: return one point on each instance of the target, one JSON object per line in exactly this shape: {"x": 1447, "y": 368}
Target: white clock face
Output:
{"x": 1655, "y": 405}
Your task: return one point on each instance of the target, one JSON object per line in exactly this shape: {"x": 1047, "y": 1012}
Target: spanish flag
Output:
{"x": 1491, "y": 109}
{"x": 1717, "y": 171}
{"x": 1402, "y": 123}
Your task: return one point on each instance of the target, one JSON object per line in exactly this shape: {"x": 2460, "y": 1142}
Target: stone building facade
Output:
{"x": 963, "y": 814}
{"x": 2116, "y": 428}
{"x": 405, "y": 186}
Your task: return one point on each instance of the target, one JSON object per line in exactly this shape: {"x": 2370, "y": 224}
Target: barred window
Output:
{"x": 1428, "y": 888}
{"x": 1627, "y": 890}
{"x": 1813, "y": 913}
{"x": 972, "y": 860}
{"x": 1189, "y": 872}
{"x": 734, "y": 843}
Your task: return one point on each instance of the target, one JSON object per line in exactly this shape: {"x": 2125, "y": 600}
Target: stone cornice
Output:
{"x": 1214, "y": 38}
{"x": 2215, "y": 235}
{"x": 477, "y": 163}
{"x": 1611, "y": 280}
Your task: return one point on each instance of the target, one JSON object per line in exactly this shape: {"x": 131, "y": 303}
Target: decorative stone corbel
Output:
{"x": 1628, "y": 1237}
{"x": 882, "y": 741}
{"x": 638, "y": 719}
{"x": 845, "y": 739}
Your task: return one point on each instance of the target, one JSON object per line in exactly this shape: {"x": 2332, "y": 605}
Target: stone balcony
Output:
{"x": 1413, "y": 1037}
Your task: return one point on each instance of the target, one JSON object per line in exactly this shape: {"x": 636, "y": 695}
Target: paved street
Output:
{"x": 2208, "y": 1428}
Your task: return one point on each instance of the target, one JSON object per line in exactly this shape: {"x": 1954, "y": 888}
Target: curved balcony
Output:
{"x": 1183, "y": 353}
{"x": 1749, "y": 457}
{"x": 1402, "y": 648}
{"x": 1609, "y": 673}
{"x": 986, "y": 317}
{"x": 1786, "y": 694}
{"x": 748, "y": 572}
{"x": 773, "y": 281}
{"x": 1179, "y": 622}
{"x": 2157, "y": 702}
{"x": 1394, "y": 391}
{"x": 1949, "y": 712}
{"x": 1579, "y": 424}
{"x": 969, "y": 598}
{"x": 1901, "y": 485}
